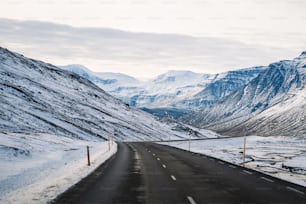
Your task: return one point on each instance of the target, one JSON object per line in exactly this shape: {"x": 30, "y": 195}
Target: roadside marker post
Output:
{"x": 189, "y": 140}
{"x": 244, "y": 149}
{"x": 109, "y": 143}
{"x": 88, "y": 156}
{"x": 114, "y": 134}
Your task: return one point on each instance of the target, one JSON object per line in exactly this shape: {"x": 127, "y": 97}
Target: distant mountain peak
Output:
{"x": 78, "y": 68}
{"x": 77, "y": 65}
{"x": 303, "y": 54}
{"x": 175, "y": 72}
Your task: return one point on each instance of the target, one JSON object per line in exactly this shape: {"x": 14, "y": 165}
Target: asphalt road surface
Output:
{"x": 152, "y": 173}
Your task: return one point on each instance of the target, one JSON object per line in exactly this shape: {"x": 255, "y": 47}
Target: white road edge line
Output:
{"x": 295, "y": 190}
{"x": 191, "y": 200}
{"x": 173, "y": 178}
{"x": 164, "y": 166}
{"x": 232, "y": 166}
{"x": 220, "y": 162}
{"x": 248, "y": 172}
{"x": 266, "y": 179}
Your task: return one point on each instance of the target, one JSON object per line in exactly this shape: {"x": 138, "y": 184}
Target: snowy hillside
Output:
{"x": 285, "y": 118}
{"x": 37, "y": 168}
{"x": 40, "y": 98}
{"x": 272, "y": 103}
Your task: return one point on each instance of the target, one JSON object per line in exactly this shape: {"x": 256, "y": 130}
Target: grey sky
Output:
{"x": 207, "y": 35}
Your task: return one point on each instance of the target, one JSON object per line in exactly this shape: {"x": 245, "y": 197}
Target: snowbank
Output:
{"x": 36, "y": 168}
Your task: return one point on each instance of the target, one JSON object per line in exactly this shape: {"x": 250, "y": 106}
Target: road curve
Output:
{"x": 152, "y": 173}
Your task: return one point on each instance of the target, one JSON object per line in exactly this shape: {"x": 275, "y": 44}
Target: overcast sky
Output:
{"x": 144, "y": 38}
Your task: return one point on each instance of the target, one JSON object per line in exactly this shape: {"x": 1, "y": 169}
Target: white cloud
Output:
{"x": 137, "y": 54}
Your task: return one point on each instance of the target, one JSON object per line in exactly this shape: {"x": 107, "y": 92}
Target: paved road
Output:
{"x": 151, "y": 173}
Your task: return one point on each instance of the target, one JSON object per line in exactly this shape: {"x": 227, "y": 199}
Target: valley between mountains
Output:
{"x": 50, "y": 114}
{"x": 262, "y": 100}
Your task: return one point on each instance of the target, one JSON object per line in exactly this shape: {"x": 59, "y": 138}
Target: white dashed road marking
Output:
{"x": 191, "y": 200}
{"x": 232, "y": 166}
{"x": 173, "y": 178}
{"x": 295, "y": 190}
{"x": 248, "y": 172}
{"x": 164, "y": 166}
{"x": 267, "y": 179}
{"x": 158, "y": 159}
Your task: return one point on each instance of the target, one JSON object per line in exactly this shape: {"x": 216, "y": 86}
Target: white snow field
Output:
{"x": 278, "y": 156}
{"x": 36, "y": 168}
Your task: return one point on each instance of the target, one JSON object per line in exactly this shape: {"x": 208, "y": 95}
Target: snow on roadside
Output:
{"x": 36, "y": 168}
{"x": 282, "y": 157}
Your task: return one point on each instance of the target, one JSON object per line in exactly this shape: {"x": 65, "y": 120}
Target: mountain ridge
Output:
{"x": 37, "y": 97}
{"x": 280, "y": 83}
{"x": 224, "y": 102}
{"x": 176, "y": 89}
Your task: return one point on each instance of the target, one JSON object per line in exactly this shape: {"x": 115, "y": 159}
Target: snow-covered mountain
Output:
{"x": 174, "y": 93}
{"x": 167, "y": 88}
{"x": 209, "y": 90}
{"x": 228, "y": 102}
{"x": 108, "y": 81}
{"x": 220, "y": 86}
{"x": 272, "y": 103}
{"x": 37, "y": 97}
{"x": 161, "y": 91}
